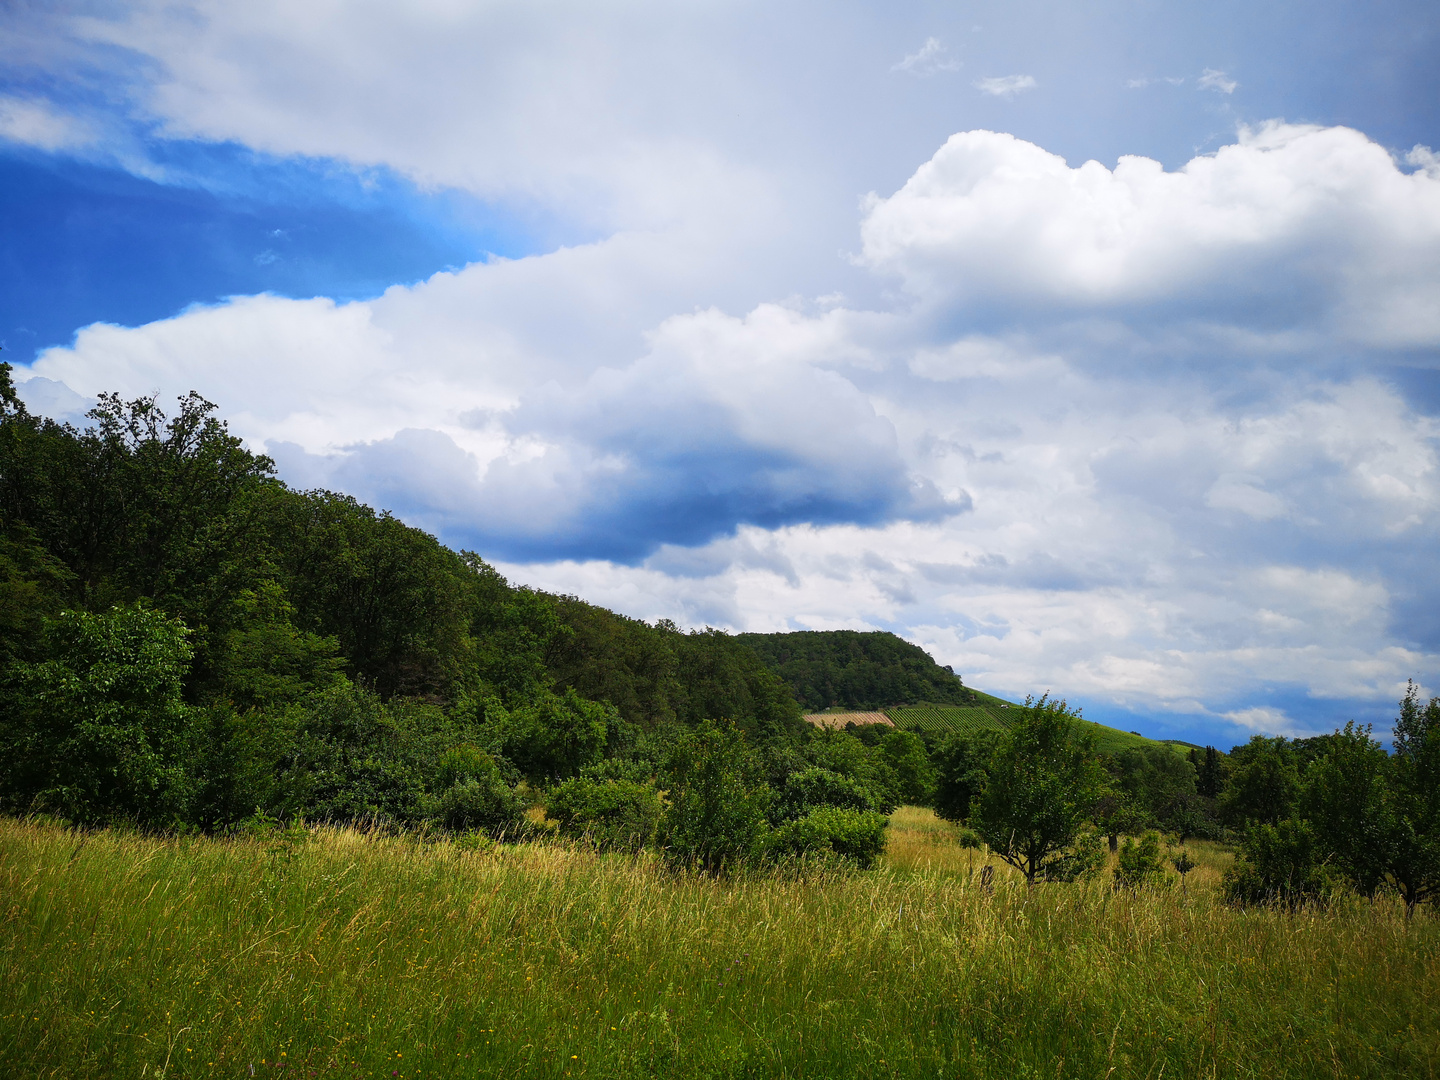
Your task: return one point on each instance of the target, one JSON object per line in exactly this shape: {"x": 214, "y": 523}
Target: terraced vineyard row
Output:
{"x": 957, "y": 718}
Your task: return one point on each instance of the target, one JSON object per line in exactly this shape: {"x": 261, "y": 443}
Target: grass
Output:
{"x": 336, "y": 954}
{"x": 991, "y": 716}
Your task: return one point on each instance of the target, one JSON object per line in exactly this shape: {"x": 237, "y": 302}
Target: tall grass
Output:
{"x": 338, "y": 954}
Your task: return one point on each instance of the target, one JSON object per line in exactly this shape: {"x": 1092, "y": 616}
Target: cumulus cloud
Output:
{"x": 1125, "y": 433}
{"x": 1289, "y": 227}
{"x": 930, "y": 59}
{"x": 1005, "y": 86}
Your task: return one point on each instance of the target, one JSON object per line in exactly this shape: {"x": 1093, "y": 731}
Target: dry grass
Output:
{"x": 838, "y": 720}
{"x": 358, "y": 956}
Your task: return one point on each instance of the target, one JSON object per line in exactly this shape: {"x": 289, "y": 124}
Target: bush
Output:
{"x": 1140, "y": 863}
{"x": 1083, "y": 858}
{"x": 809, "y": 789}
{"x": 614, "y": 815}
{"x": 474, "y": 796}
{"x": 101, "y": 734}
{"x": 1280, "y": 865}
{"x": 853, "y": 835}
{"x": 555, "y": 736}
{"x": 479, "y": 804}
{"x": 716, "y": 817}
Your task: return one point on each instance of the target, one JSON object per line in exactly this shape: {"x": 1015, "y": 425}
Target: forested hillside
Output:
{"x": 857, "y": 670}
{"x": 187, "y": 643}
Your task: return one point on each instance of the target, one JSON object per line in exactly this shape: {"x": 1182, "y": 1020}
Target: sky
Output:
{"x": 1094, "y": 348}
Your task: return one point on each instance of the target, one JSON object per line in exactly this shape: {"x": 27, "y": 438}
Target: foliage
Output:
{"x": 1279, "y": 864}
{"x": 1042, "y": 783}
{"x": 614, "y": 815}
{"x": 1209, "y": 772}
{"x": 856, "y": 836}
{"x": 1264, "y": 782}
{"x": 1140, "y": 862}
{"x": 474, "y": 796}
{"x": 960, "y": 761}
{"x": 100, "y": 732}
{"x": 718, "y": 801}
{"x": 814, "y": 787}
{"x": 1346, "y": 798}
{"x": 909, "y": 762}
{"x": 857, "y": 670}
{"x": 1415, "y": 784}
{"x": 1159, "y": 783}
{"x": 554, "y": 736}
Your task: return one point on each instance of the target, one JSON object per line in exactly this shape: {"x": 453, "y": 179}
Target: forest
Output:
{"x": 187, "y": 644}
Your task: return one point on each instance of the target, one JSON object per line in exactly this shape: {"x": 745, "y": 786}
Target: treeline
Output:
{"x": 185, "y": 642}
{"x": 188, "y": 644}
{"x": 857, "y": 670}
{"x": 1309, "y": 816}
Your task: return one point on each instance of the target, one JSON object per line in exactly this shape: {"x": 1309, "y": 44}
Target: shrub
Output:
{"x": 1140, "y": 863}
{"x": 716, "y": 817}
{"x": 102, "y": 733}
{"x": 1278, "y": 864}
{"x": 857, "y": 836}
{"x": 809, "y": 789}
{"x": 1083, "y": 858}
{"x": 479, "y": 804}
{"x": 614, "y": 815}
{"x": 555, "y": 736}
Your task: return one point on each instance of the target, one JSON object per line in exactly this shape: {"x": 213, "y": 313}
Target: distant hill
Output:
{"x": 851, "y": 669}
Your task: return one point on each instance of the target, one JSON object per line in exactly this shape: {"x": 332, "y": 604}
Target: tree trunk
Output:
{"x": 1114, "y": 841}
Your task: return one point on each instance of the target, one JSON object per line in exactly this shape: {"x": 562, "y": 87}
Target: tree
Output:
{"x": 1347, "y": 801}
{"x": 960, "y": 763}
{"x": 716, "y": 817}
{"x": 1264, "y": 782}
{"x": 101, "y": 733}
{"x": 1041, "y": 787}
{"x": 1209, "y": 772}
{"x": 905, "y": 753}
{"x": 1415, "y": 782}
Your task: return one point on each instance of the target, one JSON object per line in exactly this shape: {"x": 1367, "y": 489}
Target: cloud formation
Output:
{"x": 1131, "y": 432}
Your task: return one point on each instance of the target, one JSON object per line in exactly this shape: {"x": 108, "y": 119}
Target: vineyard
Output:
{"x": 966, "y": 720}
{"x": 949, "y": 718}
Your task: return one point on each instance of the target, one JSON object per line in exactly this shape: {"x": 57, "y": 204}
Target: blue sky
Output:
{"x": 1093, "y": 348}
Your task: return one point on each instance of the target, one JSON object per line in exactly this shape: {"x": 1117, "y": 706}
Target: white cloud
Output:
{"x": 40, "y": 124}
{"x": 1006, "y": 86}
{"x": 1178, "y": 496}
{"x": 1289, "y": 226}
{"x": 1210, "y": 79}
{"x": 930, "y": 59}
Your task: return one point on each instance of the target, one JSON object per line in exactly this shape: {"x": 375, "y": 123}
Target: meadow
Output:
{"x": 333, "y": 953}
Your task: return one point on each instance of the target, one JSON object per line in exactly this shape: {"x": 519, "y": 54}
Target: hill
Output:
{"x": 861, "y": 670}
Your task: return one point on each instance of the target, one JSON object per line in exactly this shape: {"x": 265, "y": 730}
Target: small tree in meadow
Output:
{"x": 1042, "y": 784}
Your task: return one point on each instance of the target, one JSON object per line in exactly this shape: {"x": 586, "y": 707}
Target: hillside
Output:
{"x": 859, "y": 670}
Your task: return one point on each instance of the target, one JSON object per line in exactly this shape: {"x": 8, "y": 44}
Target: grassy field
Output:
{"x": 991, "y": 716}
{"x": 332, "y": 954}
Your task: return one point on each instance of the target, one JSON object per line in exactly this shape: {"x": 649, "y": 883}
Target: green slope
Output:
{"x": 993, "y": 714}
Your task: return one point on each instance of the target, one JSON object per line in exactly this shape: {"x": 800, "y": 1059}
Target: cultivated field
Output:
{"x": 329, "y": 953}
{"x": 836, "y": 720}
{"x": 968, "y": 719}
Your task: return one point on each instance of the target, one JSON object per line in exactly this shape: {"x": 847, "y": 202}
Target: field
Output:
{"x": 992, "y": 717}
{"x": 329, "y": 953}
